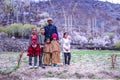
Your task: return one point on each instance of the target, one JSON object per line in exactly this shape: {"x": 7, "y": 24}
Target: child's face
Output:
{"x": 42, "y": 31}
{"x": 54, "y": 38}
{"x": 48, "y": 41}
{"x": 66, "y": 35}
{"x": 34, "y": 31}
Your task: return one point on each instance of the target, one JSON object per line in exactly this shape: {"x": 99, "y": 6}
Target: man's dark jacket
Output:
{"x": 49, "y": 30}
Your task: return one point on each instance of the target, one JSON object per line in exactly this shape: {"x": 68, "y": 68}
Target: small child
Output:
{"x": 33, "y": 48}
{"x": 47, "y": 52}
{"x": 55, "y": 50}
{"x": 65, "y": 42}
{"x": 41, "y": 37}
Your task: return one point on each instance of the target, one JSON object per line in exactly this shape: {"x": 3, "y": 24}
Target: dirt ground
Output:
{"x": 86, "y": 66}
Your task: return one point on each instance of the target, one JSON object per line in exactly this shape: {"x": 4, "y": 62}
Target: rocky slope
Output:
{"x": 12, "y": 45}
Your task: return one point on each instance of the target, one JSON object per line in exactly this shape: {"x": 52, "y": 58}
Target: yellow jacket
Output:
{"x": 47, "y": 48}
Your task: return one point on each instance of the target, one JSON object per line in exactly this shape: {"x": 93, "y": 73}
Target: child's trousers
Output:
{"x": 41, "y": 57}
{"x": 30, "y": 60}
{"x": 46, "y": 59}
{"x": 55, "y": 57}
{"x": 67, "y": 57}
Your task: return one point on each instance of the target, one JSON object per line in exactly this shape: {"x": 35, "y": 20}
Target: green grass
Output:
{"x": 94, "y": 51}
{"x": 78, "y": 55}
{"x": 9, "y": 53}
{"x": 10, "y": 59}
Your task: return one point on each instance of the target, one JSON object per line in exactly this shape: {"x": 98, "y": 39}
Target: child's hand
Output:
{"x": 34, "y": 46}
{"x": 66, "y": 49}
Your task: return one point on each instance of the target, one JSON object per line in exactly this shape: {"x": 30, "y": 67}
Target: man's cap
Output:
{"x": 49, "y": 19}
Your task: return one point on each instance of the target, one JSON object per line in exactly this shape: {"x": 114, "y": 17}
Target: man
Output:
{"x": 50, "y": 29}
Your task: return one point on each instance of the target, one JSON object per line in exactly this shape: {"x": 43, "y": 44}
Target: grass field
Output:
{"x": 87, "y": 64}
{"x": 81, "y": 53}
{"x": 94, "y": 51}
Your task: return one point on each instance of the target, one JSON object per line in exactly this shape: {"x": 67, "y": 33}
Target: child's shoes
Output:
{"x": 43, "y": 66}
{"x": 54, "y": 65}
{"x": 35, "y": 67}
{"x": 30, "y": 67}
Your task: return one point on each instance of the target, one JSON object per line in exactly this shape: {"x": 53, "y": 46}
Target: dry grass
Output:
{"x": 86, "y": 64}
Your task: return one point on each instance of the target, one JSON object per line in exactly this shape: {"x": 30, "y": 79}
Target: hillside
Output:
{"x": 92, "y": 14}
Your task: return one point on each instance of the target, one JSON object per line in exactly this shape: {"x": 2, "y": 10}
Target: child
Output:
{"x": 41, "y": 37}
{"x": 55, "y": 50}
{"x": 47, "y": 52}
{"x": 65, "y": 42}
{"x": 33, "y": 48}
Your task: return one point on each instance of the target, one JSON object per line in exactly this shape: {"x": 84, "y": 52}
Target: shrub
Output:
{"x": 18, "y": 30}
{"x": 27, "y": 30}
{"x": 13, "y": 29}
{"x": 2, "y": 29}
{"x": 43, "y": 23}
{"x": 117, "y": 45}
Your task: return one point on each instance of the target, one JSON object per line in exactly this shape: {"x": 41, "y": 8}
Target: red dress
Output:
{"x": 34, "y": 48}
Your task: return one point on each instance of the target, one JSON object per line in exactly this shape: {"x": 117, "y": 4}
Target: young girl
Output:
{"x": 65, "y": 42}
{"x": 55, "y": 50}
{"x": 47, "y": 52}
{"x": 33, "y": 48}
